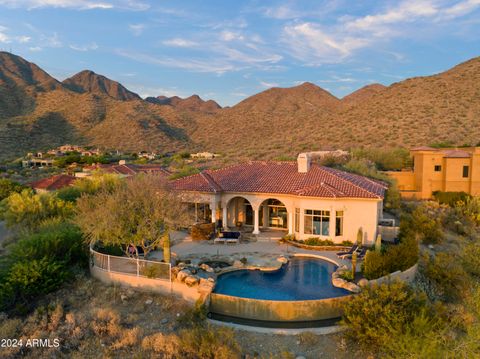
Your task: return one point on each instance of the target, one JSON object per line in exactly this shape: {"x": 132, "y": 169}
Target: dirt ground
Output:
{"x": 95, "y": 321}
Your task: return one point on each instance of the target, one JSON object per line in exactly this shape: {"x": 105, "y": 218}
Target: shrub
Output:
{"x": 375, "y": 317}
{"x": 424, "y": 224}
{"x": 315, "y": 241}
{"x": 8, "y": 187}
{"x": 392, "y": 259}
{"x": 202, "y": 231}
{"x": 445, "y": 277}
{"x": 209, "y": 343}
{"x": 450, "y": 198}
{"x": 194, "y": 316}
{"x": 471, "y": 259}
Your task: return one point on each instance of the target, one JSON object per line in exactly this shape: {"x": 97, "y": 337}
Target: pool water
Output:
{"x": 302, "y": 278}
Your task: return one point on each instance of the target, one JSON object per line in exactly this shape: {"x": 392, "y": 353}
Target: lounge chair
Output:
{"x": 232, "y": 241}
{"x": 349, "y": 252}
{"x": 362, "y": 253}
{"x": 219, "y": 240}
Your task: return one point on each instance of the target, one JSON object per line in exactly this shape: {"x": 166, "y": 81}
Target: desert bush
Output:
{"x": 7, "y": 187}
{"x": 165, "y": 345}
{"x": 209, "y": 343}
{"x": 27, "y": 210}
{"x": 450, "y": 198}
{"x": 444, "y": 276}
{"x": 202, "y": 231}
{"x": 194, "y": 316}
{"x": 423, "y": 223}
{"x": 379, "y": 314}
{"x": 55, "y": 240}
{"x": 308, "y": 339}
{"x": 471, "y": 259}
{"x": 393, "y": 258}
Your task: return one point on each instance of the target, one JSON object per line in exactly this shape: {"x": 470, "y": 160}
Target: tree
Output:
{"x": 8, "y": 187}
{"x": 27, "y": 209}
{"x": 139, "y": 212}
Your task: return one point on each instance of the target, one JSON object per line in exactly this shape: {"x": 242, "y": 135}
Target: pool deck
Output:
{"x": 271, "y": 248}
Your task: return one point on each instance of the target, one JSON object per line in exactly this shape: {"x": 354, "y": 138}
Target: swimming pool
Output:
{"x": 302, "y": 278}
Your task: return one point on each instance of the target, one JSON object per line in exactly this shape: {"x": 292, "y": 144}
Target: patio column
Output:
{"x": 224, "y": 217}
{"x": 331, "y": 230}
{"x": 290, "y": 221}
{"x": 213, "y": 207}
{"x": 256, "y": 221}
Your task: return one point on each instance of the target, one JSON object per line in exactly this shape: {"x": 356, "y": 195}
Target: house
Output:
{"x": 123, "y": 169}
{"x": 52, "y": 183}
{"x": 301, "y": 198}
{"x": 205, "y": 155}
{"x": 37, "y": 162}
{"x": 440, "y": 169}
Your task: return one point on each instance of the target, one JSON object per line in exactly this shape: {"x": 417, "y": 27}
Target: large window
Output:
{"x": 277, "y": 214}
{"x": 297, "y": 219}
{"x": 248, "y": 214}
{"x": 316, "y": 222}
{"x": 465, "y": 171}
{"x": 339, "y": 223}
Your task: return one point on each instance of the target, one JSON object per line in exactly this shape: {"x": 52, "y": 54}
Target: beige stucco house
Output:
{"x": 300, "y": 198}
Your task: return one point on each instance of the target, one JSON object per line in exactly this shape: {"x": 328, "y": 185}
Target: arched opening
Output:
{"x": 273, "y": 214}
{"x": 239, "y": 212}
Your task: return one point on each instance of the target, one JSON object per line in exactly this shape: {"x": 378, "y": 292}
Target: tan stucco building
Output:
{"x": 300, "y": 198}
{"x": 445, "y": 169}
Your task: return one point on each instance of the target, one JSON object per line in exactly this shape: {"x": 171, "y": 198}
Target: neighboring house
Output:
{"x": 37, "y": 162}
{"x": 302, "y": 198}
{"x": 123, "y": 169}
{"x": 52, "y": 183}
{"x": 205, "y": 155}
{"x": 444, "y": 169}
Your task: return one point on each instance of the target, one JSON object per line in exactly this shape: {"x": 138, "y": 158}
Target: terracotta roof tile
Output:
{"x": 53, "y": 183}
{"x": 282, "y": 178}
{"x": 457, "y": 154}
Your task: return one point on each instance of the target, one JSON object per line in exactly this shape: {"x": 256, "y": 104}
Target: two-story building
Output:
{"x": 440, "y": 169}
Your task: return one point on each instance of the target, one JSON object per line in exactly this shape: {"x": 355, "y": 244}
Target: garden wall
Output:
{"x": 277, "y": 311}
{"x": 406, "y": 276}
{"x": 146, "y": 284}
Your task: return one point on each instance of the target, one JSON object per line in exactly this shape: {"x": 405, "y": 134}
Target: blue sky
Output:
{"x": 228, "y": 50}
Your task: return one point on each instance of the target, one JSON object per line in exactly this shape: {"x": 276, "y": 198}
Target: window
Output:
{"x": 297, "y": 219}
{"x": 338, "y": 223}
{"x": 465, "y": 171}
{"x": 316, "y": 222}
{"x": 438, "y": 168}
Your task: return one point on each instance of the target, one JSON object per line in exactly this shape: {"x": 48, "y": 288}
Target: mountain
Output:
{"x": 193, "y": 103}
{"x": 38, "y": 112}
{"x": 363, "y": 94}
{"x": 89, "y": 81}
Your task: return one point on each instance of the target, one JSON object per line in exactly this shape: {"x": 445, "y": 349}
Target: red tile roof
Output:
{"x": 129, "y": 169}
{"x": 282, "y": 178}
{"x": 53, "y": 183}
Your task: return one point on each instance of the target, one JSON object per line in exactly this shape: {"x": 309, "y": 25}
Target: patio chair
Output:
{"x": 349, "y": 252}
{"x": 362, "y": 253}
{"x": 219, "y": 240}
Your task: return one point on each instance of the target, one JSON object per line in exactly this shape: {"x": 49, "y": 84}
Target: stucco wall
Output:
{"x": 146, "y": 284}
{"x": 277, "y": 311}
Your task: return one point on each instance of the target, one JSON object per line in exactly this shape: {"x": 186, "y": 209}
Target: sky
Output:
{"x": 229, "y": 50}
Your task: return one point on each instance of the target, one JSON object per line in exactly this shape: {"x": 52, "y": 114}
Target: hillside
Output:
{"x": 89, "y": 81}
{"x": 193, "y": 103}
{"x": 37, "y": 112}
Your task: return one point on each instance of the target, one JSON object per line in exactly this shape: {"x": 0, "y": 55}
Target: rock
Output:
{"x": 362, "y": 282}
{"x": 210, "y": 279}
{"x": 338, "y": 282}
{"x": 300, "y": 357}
{"x": 123, "y": 297}
{"x": 182, "y": 265}
{"x": 217, "y": 270}
{"x": 191, "y": 280}
{"x": 282, "y": 259}
{"x": 206, "y": 268}
{"x": 130, "y": 292}
{"x": 237, "y": 264}
{"x": 175, "y": 271}
{"x": 164, "y": 321}
{"x": 184, "y": 273}
{"x": 352, "y": 287}
{"x": 149, "y": 301}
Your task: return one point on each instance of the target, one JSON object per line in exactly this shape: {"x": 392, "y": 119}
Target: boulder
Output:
{"x": 237, "y": 264}
{"x": 184, "y": 273}
{"x": 191, "y": 280}
{"x": 149, "y": 301}
{"x": 362, "y": 282}
{"x": 282, "y": 260}
{"x": 352, "y": 287}
{"x": 338, "y": 282}
{"x": 181, "y": 265}
{"x": 123, "y": 297}
{"x": 164, "y": 321}
{"x": 206, "y": 268}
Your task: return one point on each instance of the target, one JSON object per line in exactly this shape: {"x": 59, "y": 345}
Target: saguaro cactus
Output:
{"x": 354, "y": 265}
{"x": 360, "y": 237}
{"x": 378, "y": 243}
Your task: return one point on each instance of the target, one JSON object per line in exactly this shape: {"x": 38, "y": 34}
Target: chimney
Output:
{"x": 304, "y": 160}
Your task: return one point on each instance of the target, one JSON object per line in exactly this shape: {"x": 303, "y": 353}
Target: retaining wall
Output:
{"x": 146, "y": 284}
{"x": 406, "y": 276}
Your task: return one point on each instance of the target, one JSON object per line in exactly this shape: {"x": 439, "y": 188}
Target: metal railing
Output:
{"x": 131, "y": 266}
